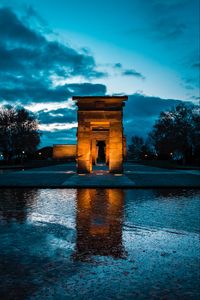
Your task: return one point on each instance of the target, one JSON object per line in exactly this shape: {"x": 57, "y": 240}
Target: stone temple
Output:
{"x": 100, "y": 136}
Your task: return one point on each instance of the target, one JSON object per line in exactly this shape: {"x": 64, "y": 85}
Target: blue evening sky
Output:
{"x": 51, "y": 50}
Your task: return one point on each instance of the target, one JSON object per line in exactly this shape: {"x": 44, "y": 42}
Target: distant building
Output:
{"x": 64, "y": 151}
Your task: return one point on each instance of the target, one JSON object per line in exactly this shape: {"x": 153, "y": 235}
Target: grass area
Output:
{"x": 167, "y": 164}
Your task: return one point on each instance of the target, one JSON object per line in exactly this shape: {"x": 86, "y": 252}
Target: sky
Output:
{"x": 51, "y": 50}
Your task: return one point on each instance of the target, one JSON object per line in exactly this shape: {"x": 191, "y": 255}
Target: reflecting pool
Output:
{"x": 99, "y": 244}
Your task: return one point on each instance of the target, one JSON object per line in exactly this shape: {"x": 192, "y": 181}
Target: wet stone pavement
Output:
{"x": 134, "y": 176}
{"x": 99, "y": 244}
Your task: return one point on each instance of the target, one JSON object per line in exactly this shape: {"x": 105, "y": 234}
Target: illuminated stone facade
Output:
{"x": 100, "y": 137}
{"x": 64, "y": 152}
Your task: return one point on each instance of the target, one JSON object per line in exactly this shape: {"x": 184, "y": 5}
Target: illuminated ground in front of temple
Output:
{"x": 99, "y": 243}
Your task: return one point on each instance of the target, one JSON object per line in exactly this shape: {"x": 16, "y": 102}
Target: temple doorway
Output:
{"x": 101, "y": 150}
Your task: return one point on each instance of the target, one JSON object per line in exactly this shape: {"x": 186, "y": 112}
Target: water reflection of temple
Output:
{"x": 99, "y": 223}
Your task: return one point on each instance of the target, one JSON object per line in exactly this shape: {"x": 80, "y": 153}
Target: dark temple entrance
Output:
{"x": 101, "y": 152}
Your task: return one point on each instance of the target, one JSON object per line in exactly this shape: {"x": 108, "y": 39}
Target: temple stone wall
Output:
{"x": 100, "y": 120}
{"x": 64, "y": 152}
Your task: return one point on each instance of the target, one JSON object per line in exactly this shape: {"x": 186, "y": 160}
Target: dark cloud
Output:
{"x": 59, "y": 137}
{"x": 132, "y": 72}
{"x": 39, "y": 92}
{"x": 28, "y": 64}
{"x": 61, "y": 115}
{"x": 118, "y": 66}
{"x": 12, "y": 30}
{"x": 141, "y": 111}
{"x": 127, "y": 72}
{"x": 147, "y": 106}
{"x": 28, "y": 60}
{"x": 87, "y": 89}
{"x": 36, "y": 20}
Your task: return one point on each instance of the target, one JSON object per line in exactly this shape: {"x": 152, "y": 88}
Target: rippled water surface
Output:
{"x": 99, "y": 244}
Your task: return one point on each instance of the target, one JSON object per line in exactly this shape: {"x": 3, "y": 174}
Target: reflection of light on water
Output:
{"x": 99, "y": 243}
{"x": 81, "y": 174}
{"x": 118, "y": 174}
{"x": 70, "y": 172}
{"x": 55, "y": 206}
{"x": 47, "y": 219}
{"x": 99, "y": 223}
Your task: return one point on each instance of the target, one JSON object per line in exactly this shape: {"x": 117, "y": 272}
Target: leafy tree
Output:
{"x": 18, "y": 132}
{"x": 177, "y": 130}
{"x": 138, "y": 149}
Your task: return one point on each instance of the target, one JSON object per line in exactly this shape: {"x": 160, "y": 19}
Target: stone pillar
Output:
{"x": 84, "y": 157}
{"x": 94, "y": 151}
{"x": 116, "y": 147}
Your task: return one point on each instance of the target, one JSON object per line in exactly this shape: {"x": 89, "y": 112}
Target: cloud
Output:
{"x": 28, "y": 60}
{"x": 132, "y": 72}
{"x": 13, "y": 30}
{"x": 40, "y": 92}
{"x": 30, "y": 49}
{"x": 57, "y": 126}
{"x": 61, "y": 115}
{"x": 147, "y": 106}
{"x": 64, "y": 136}
{"x": 141, "y": 111}
{"x": 118, "y": 66}
{"x": 127, "y": 72}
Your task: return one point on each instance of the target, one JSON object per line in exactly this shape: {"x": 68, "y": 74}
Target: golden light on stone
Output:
{"x": 100, "y": 132}
{"x": 64, "y": 151}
